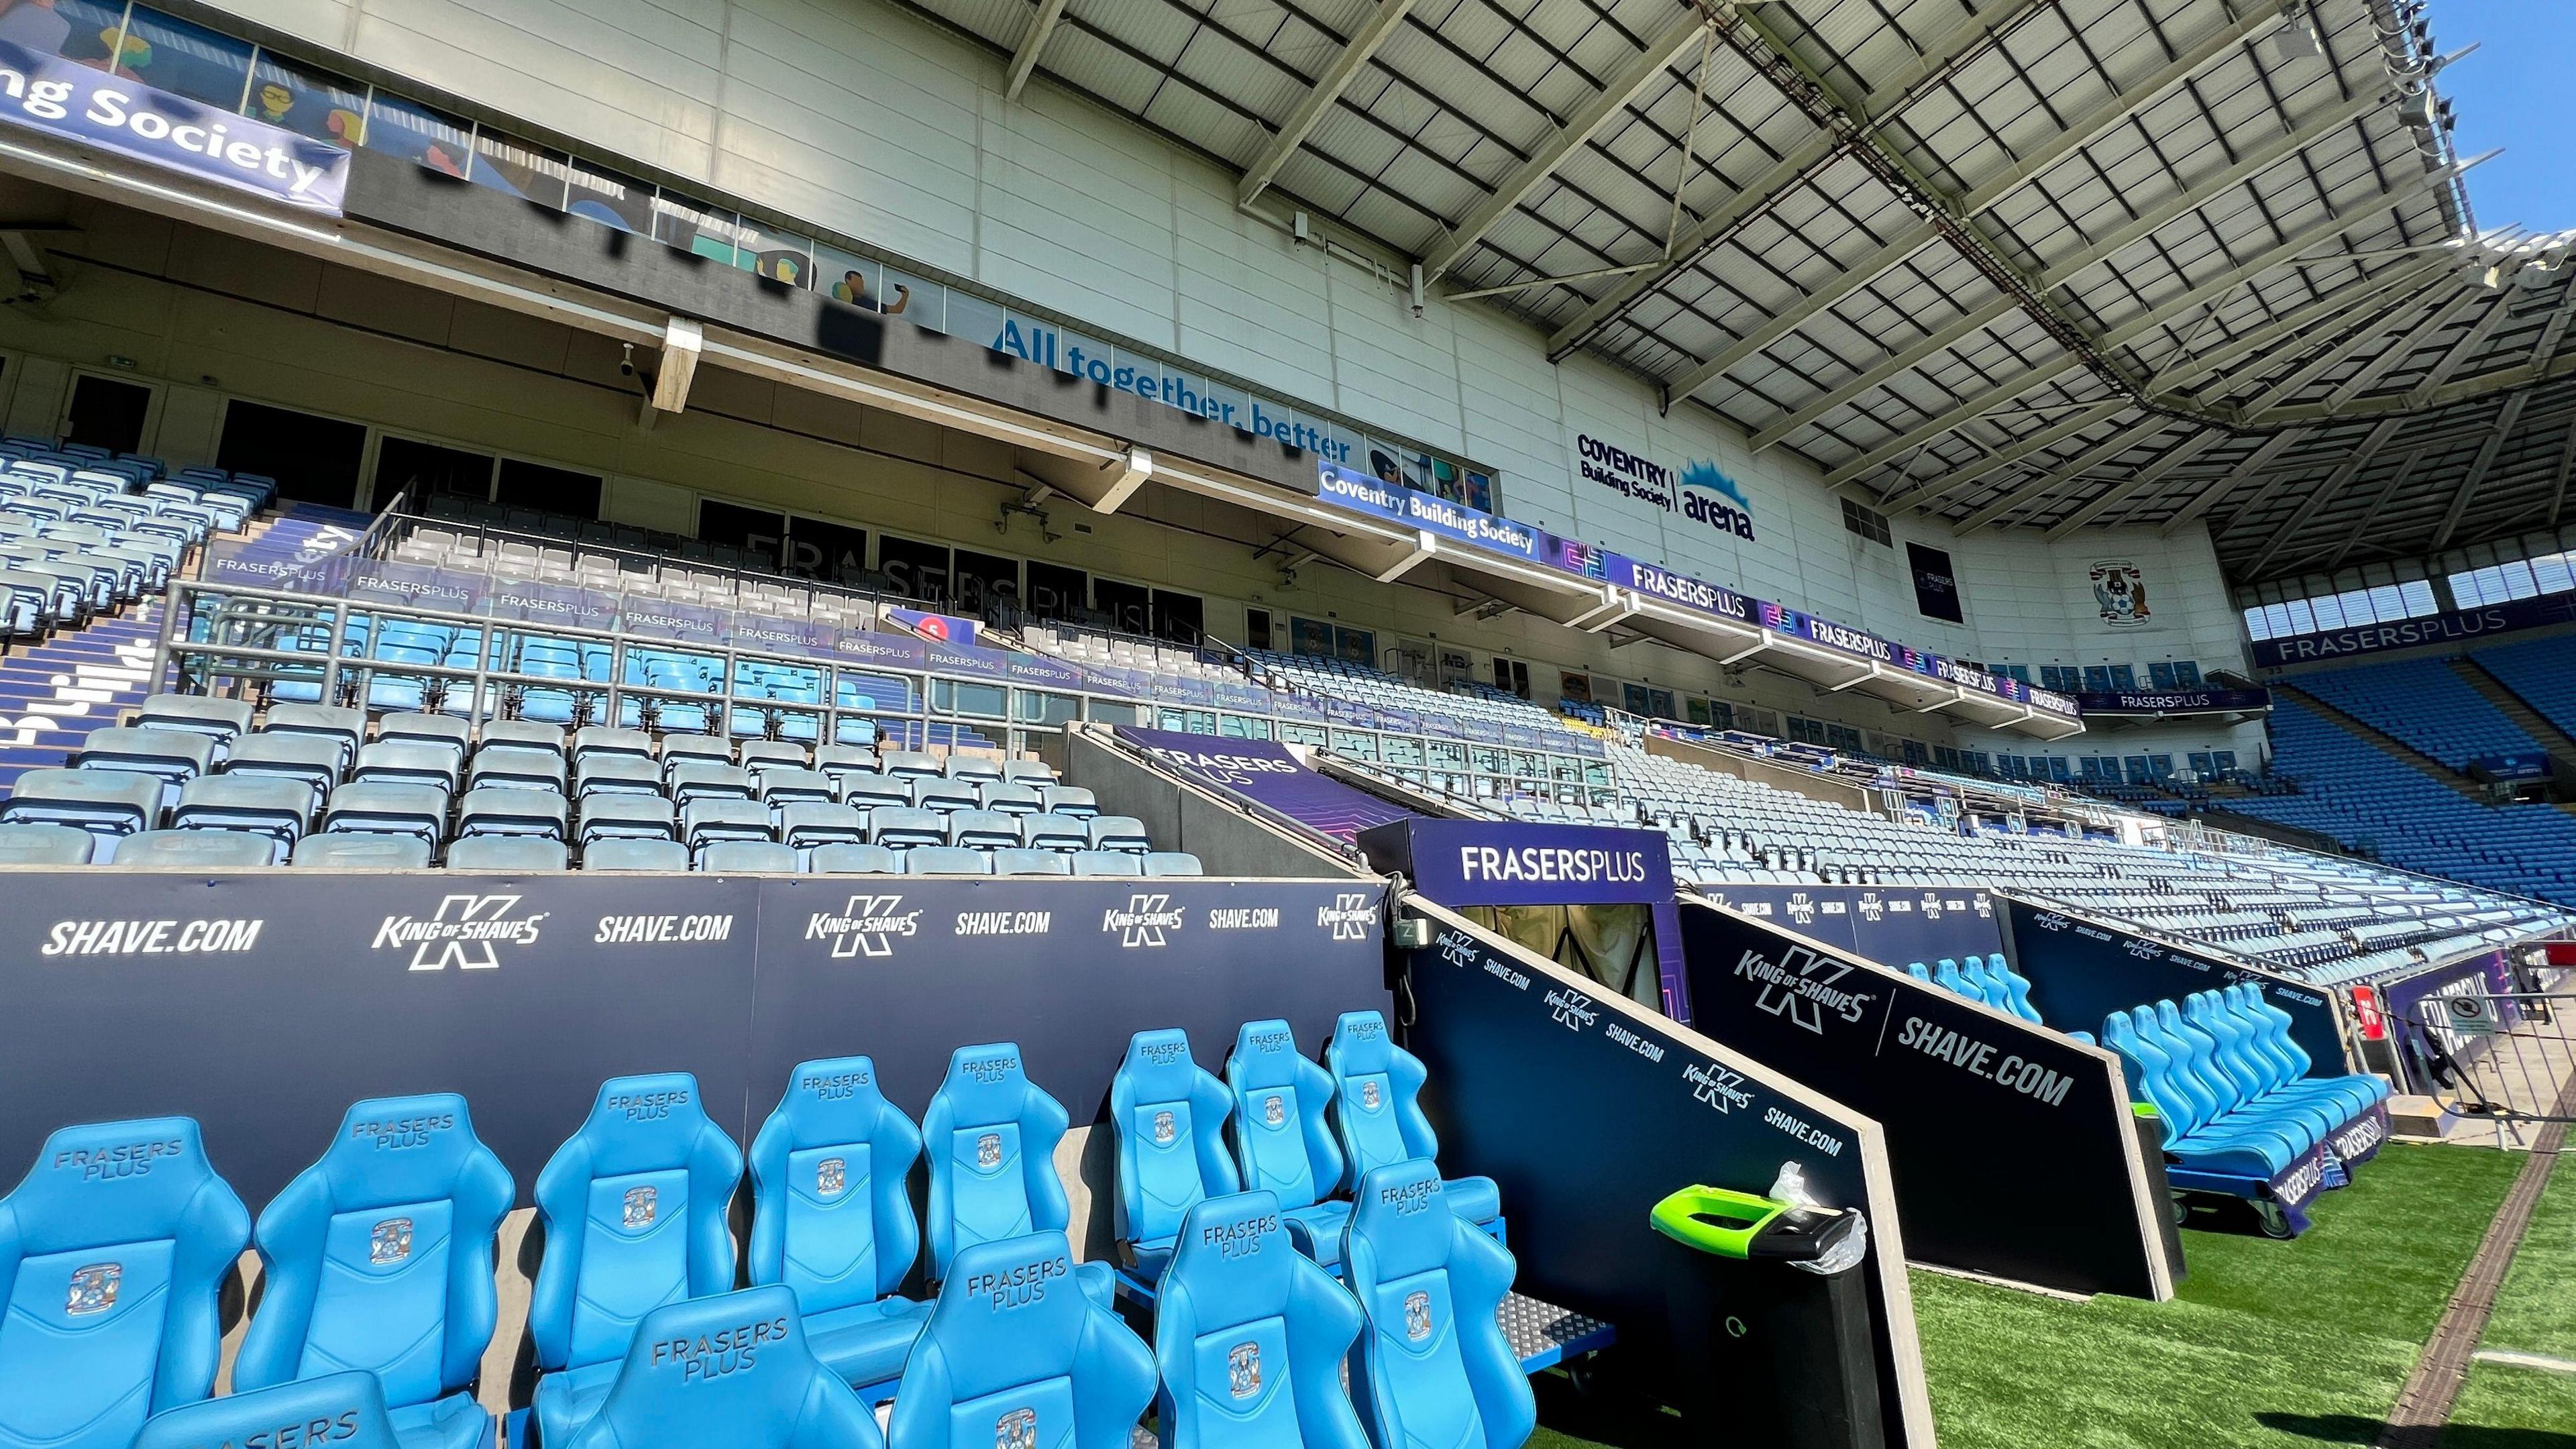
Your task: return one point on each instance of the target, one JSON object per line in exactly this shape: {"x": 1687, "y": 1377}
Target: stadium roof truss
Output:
{"x": 2055, "y": 264}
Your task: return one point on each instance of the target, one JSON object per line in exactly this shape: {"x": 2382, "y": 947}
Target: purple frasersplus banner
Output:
{"x": 945, "y": 628}
{"x": 65, "y": 98}
{"x": 2452, "y": 627}
{"x": 1265, "y": 772}
{"x": 1515, "y": 863}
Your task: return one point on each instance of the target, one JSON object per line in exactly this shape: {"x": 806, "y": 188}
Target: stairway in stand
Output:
{"x": 53, "y": 694}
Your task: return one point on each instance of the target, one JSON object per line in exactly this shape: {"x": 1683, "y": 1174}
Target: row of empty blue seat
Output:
{"x": 378, "y": 1256}
{"x": 2231, "y": 1085}
{"x": 1988, "y": 979}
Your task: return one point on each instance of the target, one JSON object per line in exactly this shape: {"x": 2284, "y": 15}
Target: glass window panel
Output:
{"x": 777, "y": 256}
{"x": 415, "y": 133}
{"x": 307, "y": 102}
{"x": 82, "y": 30}
{"x": 2301, "y": 620}
{"x": 516, "y": 168}
{"x": 2418, "y": 594}
{"x": 2186, "y": 674}
{"x": 2551, "y": 574}
{"x": 2329, "y": 611}
{"x": 678, "y": 222}
{"x": 186, "y": 60}
{"x": 608, "y": 198}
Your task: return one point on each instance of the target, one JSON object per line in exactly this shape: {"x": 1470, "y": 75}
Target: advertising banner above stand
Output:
{"x": 82, "y": 103}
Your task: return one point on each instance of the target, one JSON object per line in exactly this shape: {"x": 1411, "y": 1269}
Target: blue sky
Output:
{"x": 2514, "y": 93}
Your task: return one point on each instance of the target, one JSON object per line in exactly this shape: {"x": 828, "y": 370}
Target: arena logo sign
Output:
{"x": 1699, "y": 490}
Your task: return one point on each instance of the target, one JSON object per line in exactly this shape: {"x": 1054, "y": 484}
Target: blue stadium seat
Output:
{"x": 1015, "y": 1358}
{"x": 361, "y": 852}
{"x": 635, "y": 855}
{"x": 731, "y": 1370}
{"x": 350, "y": 1404}
{"x": 1282, "y": 1141}
{"x": 946, "y": 860}
{"x": 1115, "y": 864}
{"x": 750, "y": 857}
{"x": 1250, "y": 1335}
{"x": 1055, "y": 832}
{"x": 990, "y": 1137}
{"x": 114, "y": 1247}
{"x": 832, "y": 1217}
{"x": 1173, "y": 862}
{"x": 107, "y": 804}
{"x": 2197, "y": 1129}
{"x": 521, "y": 854}
{"x": 1434, "y": 1367}
{"x": 378, "y": 1257}
{"x": 1377, "y": 1111}
{"x": 855, "y": 860}
{"x": 45, "y": 845}
{"x": 2015, "y": 987}
{"x": 1031, "y": 862}
{"x": 1169, "y": 1117}
{"x": 634, "y": 1211}
{"x": 195, "y": 850}
{"x": 623, "y": 815}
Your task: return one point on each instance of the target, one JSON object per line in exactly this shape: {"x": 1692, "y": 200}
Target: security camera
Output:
{"x": 626, "y": 364}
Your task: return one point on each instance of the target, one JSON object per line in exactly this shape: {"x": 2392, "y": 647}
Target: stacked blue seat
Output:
{"x": 2425, "y": 703}
{"x": 2241, "y": 1115}
{"x": 1988, "y": 979}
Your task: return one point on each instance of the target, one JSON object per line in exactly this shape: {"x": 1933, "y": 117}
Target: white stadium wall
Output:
{"x": 870, "y": 120}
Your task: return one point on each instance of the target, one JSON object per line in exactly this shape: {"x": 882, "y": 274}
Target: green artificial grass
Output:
{"x": 2504, "y": 1407}
{"x": 2536, "y": 1311}
{"x": 2268, "y": 1343}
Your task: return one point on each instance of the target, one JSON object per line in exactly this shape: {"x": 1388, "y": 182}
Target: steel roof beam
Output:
{"x": 1320, "y": 98}
{"x": 2337, "y": 303}
{"x": 1961, "y": 42}
{"x": 2506, "y": 416}
{"x": 1575, "y": 133}
{"x": 2369, "y": 518}
{"x": 1932, "y": 489}
{"x": 2331, "y": 489}
{"x": 1024, "y": 61}
{"x": 2136, "y": 483}
{"x": 2470, "y": 341}
{"x": 1878, "y": 263}
{"x": 2255, "y": 462}
{"x": 2040, "y": 487}
{"x": 2128, "y": 332}
{"x": 2378, "y": 367}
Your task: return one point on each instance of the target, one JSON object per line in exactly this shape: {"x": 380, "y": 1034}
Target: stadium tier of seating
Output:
{"x": 83, "y": 531}
{"x": 203, "y": 782}
{"x": 2320, "y": 918}
{"x": 2361, "y": 796}
{"x": 2541, "y": 673}
{"x": 378, "y": 1290}
{"x": 1361, "y": 684}
{"x": 615, "y": 571}
{"x": 2425, "y": 703}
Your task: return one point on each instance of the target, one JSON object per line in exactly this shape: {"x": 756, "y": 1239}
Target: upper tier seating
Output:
{"x": 2358, "y": 794}
{"x": 2423, "y": 702}
{"x": 115, "y": 1247}
{"x": 2540, "y": 672}
{"x": 378, "y": 1257}
{"x": 1340, "y": 679}
{"x": 732, "y": 1369}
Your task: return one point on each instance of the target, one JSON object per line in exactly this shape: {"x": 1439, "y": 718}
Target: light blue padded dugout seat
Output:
{"x": 1250, "y": 1335}
{"x": 1018, "y": 1354}
{"x": 1434, "y": 1367}
{"x": 730, "y": 1370}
